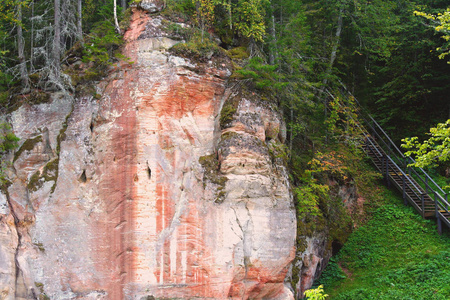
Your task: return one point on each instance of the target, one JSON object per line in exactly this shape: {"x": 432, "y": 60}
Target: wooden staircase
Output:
{"x": 412, "y": 192}
{"x": 417, "y": 187}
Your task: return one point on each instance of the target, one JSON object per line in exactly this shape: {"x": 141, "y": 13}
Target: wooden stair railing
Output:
{"x": 415, "y": 184}
{"x": 411, "y": 191}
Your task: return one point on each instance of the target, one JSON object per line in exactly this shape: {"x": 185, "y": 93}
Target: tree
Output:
{"x": 249, "y": 19}
{"x": 441, "y": 23}
{"x": 204, "y": 14}
{"x": 57, "y": 38}
{"x": 432, "y": 151}
{"x": 21, "y": 51}
{"x": 116, "y": 22}
{"x": 80, "y": 20}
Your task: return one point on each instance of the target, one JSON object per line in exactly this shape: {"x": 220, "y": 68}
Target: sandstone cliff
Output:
{"x": 149, "y": 191}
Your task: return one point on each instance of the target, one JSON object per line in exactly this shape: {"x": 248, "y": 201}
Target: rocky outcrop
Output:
{"x": 320, "y": 238}
{"x": 143, "y": 193}
{"x": 259, "y": 207}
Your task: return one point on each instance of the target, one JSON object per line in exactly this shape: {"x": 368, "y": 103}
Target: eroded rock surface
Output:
{"x": 111, "y": 199}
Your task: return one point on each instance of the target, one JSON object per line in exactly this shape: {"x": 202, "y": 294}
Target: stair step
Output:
{"x": 403, "y": 181}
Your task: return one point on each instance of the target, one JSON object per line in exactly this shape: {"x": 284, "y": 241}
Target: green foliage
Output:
{"x": 396, "y": 255}
{"x": 204, "y": 15}
{"x": 95, "y": 12}
{"x": 313, "y": 194}
{"x": 245, "y": 17}
{"x": 316, "y": 294}
{"x": 8, "y": 20}
{"x": 308, "y": 196}
{"x": 101, "y": 44}
{"x": 343, "y": 122}
{"x": 432, "y": 151}
{"x": 402, "y": 82}
{"x": 261, "y": 74}
{"x": 441, "y": 22}
{"x": 49, "y": 173}
{"x": 333, "y": 272}
{"x": 249, "y": 19}
{"x": 238, "y": 53}
{"x": 8, "y": 142}
{"x": 179, "y": 10}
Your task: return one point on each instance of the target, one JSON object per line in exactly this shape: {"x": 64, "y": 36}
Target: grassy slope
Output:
{"x": 396, "y": 255}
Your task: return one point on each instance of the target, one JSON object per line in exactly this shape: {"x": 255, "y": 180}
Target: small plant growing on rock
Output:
{"x": 8, "y": 141}
{"x": 316, "y": 294}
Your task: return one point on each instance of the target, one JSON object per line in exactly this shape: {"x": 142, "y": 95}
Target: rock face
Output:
{"x": 143, "y": 193}
{"x": 316, "y": 247}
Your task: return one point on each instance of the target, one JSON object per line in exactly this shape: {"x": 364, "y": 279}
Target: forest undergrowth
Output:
{"x": 395, "y": 255}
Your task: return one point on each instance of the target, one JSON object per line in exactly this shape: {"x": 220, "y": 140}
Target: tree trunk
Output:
{"x": 57, "y": 39}
{"x": 21, "y": 50}
{"x": 291, "y": 133}
{"x": 79, "y": 21}
{"x": 230, "y": 17}
{"x": 116, "y": 23}
{"x": 124, "y": 5}
{"x": 330, "y": 64}
{"x": 334, "y": 49}
{"x": 32, "y": 38}
{"x": 273, "y": 51}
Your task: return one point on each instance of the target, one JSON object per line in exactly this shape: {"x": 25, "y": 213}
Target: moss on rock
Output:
{"x": 198, "y": 49}
{"x": 28, "y": 145}
{"x": 212, "y": 174}
{"x": 49, "y": 173}
{"x": 229, "y": 108}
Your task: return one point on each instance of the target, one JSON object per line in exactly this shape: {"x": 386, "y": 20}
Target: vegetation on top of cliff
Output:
{"x": 377, "y": 48}
{"x": 396, "y": 255}
{"x": 198, "y": 48}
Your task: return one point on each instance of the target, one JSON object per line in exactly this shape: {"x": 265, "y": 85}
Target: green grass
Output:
{"x": 395, "y": 255}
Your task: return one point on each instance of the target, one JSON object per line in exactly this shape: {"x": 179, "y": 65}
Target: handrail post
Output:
{"x": 437, "y": 214}
{"x": 404, "y": 190}
{"x": 439, "y": 221}
{"x": 426, "y": 184}
{"x": 387, "y": 172}
{"x": 423, "y": 204}
{"x": 409, "y": 168}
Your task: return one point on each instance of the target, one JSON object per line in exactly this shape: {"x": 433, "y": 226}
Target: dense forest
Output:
{"x": 381, "y": 51}
{"x": 320, "y": 61}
